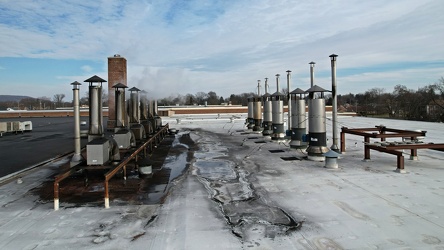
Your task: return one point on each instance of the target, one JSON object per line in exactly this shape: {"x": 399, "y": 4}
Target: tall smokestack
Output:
{"x": 334, "y": 147}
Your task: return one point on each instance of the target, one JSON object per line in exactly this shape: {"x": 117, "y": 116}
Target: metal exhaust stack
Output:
{"x": 289, "y": 122}
{"x": 119, "y": 94}
{"x": 151, "y": 118}
{"x": 257, "y": 109}
{"x": 98, "y": 148}
{"x": 298, "y": 119}
{"x": 134, "y": 105}
{"x": 157, "y": 118}
{"x": 317, "y": 135}
{"x": 277, "y": 113}
{"x": 95, "y": 107}
{"x": 123, "y": 137}
{"x": 267, "y": 123}
{"x": 144, "y": 114}
{"x": 334, "y": 147}
{"x": 77, "y": 156}
{"x": 250, "y": 119}
{"x": 135, "y": 126}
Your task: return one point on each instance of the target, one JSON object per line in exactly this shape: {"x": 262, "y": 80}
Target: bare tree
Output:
{"x": 58, "y": 99}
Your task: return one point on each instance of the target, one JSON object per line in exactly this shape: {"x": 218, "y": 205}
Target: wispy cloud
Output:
{"x": 225, "y": 46}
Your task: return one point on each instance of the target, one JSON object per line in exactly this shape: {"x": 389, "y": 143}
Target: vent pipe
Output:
{"x": 298, "y": 119}
{"x": 257, "y": 109}
{"x": 288, "y": 102}
{"x": 277, "y": 113}
{"x": 334, "y": 147}
{"x": 95, "y": 107}
{"x": 267, "y": 122}
{"x": 77, "y": 156}
{"x": 312, "y": 64}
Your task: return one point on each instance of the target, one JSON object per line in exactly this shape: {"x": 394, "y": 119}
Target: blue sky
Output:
{"x": 180, "y": 47}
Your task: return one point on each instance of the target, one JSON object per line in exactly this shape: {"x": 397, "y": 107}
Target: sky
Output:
{"x": 187, "y": 46}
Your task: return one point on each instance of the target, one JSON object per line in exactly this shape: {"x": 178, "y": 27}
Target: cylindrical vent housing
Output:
{"x": 268, "y": 121}
{"x": 317, "y": 135}
{"x": 317, "y": 122}
{"x": 250, "y": 119}
{"x": 143, "y": 108}
{"x": 277, "y": 116}
{"x": 257, "y": 114}
{"x": 95, "y": 111}
{"x": 298, "y": 119}
{"x": 119, "y": 97}
{"x": 134, "y": 105}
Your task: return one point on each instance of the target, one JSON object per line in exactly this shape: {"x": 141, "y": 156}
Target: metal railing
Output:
{"x": 151, "y": 142}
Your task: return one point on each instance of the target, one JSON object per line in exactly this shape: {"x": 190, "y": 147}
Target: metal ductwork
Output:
{"x": 257, "y": 109}
{"x": 277, "y": 113}
{"x": 267, "y": 122}
{"x": 298, "y": 119}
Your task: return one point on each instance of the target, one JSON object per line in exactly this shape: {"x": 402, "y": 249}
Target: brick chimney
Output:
{"x": 116, "y": 74}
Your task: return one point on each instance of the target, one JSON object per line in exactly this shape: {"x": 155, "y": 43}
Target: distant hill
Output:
{"x": 12, "y": 98}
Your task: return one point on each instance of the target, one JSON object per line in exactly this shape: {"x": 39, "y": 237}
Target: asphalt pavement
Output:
{"x": 49, "y": 138}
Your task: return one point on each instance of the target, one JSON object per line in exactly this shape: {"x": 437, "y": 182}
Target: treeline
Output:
{"x": 202, "y": 98}
{"x": 46, "y": 103}
{"x": 423, "y": 104}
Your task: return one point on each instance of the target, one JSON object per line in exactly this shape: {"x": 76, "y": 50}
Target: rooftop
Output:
{"x": 238, "y": 192}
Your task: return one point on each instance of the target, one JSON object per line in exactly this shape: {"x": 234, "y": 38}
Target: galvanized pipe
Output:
{"x": 334, "y": 147}
{"x": 77, "y": 157}
{"x": 289, "y": 100}
{"x": 120, "y": 107}
{"x": 95, "y": 112}
{"x": 312, "y": 64}
{"x": 134, "y": 107}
